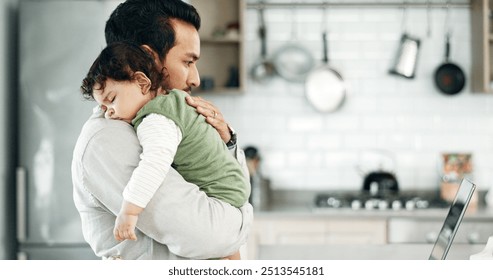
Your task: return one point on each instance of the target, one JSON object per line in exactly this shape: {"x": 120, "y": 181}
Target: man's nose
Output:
{"x": 194, "y": 77}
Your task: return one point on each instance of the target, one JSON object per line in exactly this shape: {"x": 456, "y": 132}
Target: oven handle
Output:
{"x": 21, "y": 193}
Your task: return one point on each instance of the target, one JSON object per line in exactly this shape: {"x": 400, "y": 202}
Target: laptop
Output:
{"x": 453, "y": 220}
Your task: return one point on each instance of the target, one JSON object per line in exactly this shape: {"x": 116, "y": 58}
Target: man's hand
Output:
{"x": 212, "y": 115}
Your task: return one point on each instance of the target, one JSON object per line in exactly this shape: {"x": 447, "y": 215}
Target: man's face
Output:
{"x": 180, "y": 62}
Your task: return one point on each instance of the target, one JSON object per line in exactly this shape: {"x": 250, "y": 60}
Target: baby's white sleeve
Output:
{"x": 159, "y": 138}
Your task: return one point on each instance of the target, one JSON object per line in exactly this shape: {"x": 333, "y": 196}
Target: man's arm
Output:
{"x": 191, "y": 224}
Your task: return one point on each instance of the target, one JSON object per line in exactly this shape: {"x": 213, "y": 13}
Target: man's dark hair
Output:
{"x": 119, "y": 61}
{"x": 147, "y": 22}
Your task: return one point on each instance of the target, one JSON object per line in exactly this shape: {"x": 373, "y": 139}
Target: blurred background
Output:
{"x": 375, "y": 106}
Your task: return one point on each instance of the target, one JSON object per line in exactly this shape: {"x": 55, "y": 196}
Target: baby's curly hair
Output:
{"x": 119, "y": 61}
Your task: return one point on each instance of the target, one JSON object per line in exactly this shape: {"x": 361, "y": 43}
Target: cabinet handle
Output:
{"x": 22, "y": 256}
{"x": 431, "y": 237}
{"x": 473, "y": 238}
{"x": 21, "y": 193}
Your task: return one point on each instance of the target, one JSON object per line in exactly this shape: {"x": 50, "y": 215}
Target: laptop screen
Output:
{"x": 453, "y": 220}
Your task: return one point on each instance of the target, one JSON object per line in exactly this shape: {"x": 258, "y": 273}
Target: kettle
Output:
{"x": 260, "y": 195}
{"x": 380, "y": 183}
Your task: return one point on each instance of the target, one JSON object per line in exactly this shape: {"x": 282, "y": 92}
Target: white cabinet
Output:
{"x": 221, "y": 64}
{"x": 342, "y": 236}
{"x": 408, "y": 230}
{"x": 316, "y": 230}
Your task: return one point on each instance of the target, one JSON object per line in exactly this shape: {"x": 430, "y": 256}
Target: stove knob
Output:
{"x": 337, "y": 203}
{"x": 369, "y": 204}
{"x": 422, "y": 204}
{"x": 410, "y": 205}
{"x": 356, "y": 204}
{"x": 383, "y": 205}
{"x": 333, "y": 202}
{"x": 396, "y": 205}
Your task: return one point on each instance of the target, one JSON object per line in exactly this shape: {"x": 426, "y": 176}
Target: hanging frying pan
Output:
{"x": 449, "y": 77}
{"x": 324, "y": 87}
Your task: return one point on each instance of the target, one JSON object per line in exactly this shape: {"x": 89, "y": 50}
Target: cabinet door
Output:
{"x": 221, "y": 64}
{"x": 356, "y": 231}
{"x": 426, "y": 231}
{"x": 315, "y": 231}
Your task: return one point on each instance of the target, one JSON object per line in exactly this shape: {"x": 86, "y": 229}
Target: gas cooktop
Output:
{"x": 394, "y": 201}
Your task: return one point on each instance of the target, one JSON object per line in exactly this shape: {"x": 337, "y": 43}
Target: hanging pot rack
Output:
{"x": 356, "y": 4}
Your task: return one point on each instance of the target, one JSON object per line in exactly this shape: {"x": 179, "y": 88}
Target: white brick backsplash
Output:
{"x": 305, "y": 124}
{"x": 342, "y": 122}
{"x": 305, "y": 149}
{"x": 360, "y": 141}
{"x": 301, "y": 159}
{"x": 317, "y": 141}
{"x": 344, "y": 160}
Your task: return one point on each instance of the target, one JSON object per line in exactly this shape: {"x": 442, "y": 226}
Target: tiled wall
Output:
{"x": 304, "y": 149}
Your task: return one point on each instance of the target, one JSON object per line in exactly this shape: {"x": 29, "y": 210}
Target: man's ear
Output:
{"x": 154, "y": 55}
{"x": 143, "y": 81}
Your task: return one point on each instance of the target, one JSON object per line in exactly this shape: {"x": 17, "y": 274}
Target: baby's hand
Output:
{"x": 125, "y": 227}
{"x": 235, "y": 256}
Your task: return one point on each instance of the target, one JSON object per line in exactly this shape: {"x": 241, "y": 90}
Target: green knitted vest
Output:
{"x": 202, "y": 158}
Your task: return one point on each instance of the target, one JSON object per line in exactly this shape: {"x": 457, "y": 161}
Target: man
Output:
{"x": 180, "y": 221}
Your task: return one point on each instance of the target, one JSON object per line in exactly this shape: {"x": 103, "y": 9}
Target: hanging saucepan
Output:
{"x": 405, "y": 61}
{"x": 264, "y": 69}
{"x": 406, "y": 58}
{"x": 324, "y": 87}
{"x": 449, "y": 77}
{"x": 293, "y": 62}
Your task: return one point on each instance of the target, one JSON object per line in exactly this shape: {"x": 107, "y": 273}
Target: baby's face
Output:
{"x": 121, "y": 100}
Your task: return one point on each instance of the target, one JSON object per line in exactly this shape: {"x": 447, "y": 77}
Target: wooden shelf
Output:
{"x": 221, "y": 65}
{"x": 482, "y": 46}
{"x": 220, "y": 41}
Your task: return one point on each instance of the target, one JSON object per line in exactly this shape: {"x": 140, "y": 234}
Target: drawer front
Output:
{"x": 426, "y": 231}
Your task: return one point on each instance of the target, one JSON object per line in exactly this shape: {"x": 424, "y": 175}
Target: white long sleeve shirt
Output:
{"x": 159, "y": 138}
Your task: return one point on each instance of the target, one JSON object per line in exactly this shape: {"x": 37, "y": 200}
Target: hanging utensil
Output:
{"x": 324, "y": 87}
{"x": 264, "y": 69}
{"x": 293, "y": 62}
{"x": 449, "y": 77}
{"x": 407, "y": 54}
{"x": 428, "y": 18}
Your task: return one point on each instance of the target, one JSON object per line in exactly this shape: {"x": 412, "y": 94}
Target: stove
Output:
{"x": 394, "y": 201}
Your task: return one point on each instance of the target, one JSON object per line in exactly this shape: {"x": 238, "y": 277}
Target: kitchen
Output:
{"x": 405, "y": 125}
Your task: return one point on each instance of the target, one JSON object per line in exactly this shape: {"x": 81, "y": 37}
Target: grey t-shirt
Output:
{"x": 179, "y": 222}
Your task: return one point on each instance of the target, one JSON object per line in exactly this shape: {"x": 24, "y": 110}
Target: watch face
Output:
{"x": 231, "y": 141}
